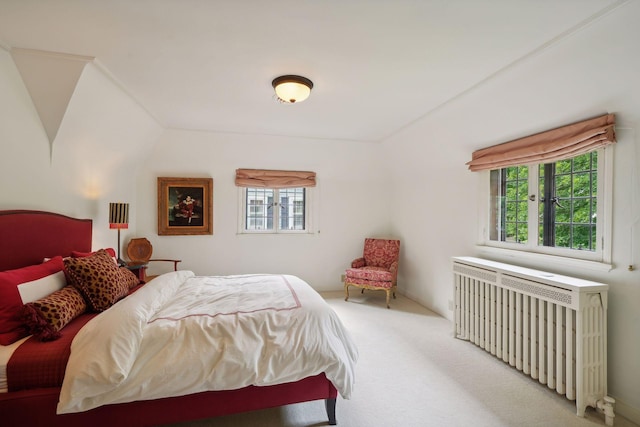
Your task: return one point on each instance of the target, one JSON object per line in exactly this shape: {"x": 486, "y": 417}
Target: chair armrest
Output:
{"x": 174, "y": 261}
{"x": 393, "y": 268}
{"x": 358, "y": 263}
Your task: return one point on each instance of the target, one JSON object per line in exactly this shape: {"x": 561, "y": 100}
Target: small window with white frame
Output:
{"x": 275, "y": 210}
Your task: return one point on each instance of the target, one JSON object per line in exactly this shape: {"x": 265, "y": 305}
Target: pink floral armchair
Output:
{"x": 377, "y": 269}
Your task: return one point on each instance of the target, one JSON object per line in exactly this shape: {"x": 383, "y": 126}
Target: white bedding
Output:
{"x": 183, "y": 334}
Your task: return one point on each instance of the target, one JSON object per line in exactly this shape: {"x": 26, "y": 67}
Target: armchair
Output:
{"x": 377, "y": 269}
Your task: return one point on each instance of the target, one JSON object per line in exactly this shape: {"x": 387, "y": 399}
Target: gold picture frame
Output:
{"x": 185, "y": 206}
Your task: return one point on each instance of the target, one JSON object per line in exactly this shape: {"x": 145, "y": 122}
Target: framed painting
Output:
{"x": 185, "y": 206}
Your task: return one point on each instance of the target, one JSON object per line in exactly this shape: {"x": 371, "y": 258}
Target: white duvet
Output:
{"x": 182, "y": 334}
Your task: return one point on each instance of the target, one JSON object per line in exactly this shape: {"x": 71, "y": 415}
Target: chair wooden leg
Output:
{"x": 346, "y": 291}
{"x": 388, "y": 295}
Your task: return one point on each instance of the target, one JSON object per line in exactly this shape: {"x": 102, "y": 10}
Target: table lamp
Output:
{"x": 119, "y": 219}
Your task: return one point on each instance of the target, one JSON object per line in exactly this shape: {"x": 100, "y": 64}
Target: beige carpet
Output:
{"x": 412, "y": 372}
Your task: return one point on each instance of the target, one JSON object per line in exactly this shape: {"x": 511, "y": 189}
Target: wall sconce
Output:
{"x": 291, "y": 89}
{"x": 119, "y": 219}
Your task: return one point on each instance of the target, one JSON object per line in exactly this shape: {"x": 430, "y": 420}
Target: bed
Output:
{"x": 68, "y": 391}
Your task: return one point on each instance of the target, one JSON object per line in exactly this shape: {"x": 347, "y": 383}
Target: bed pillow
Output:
{"x": 47, "y": 316}
{"x": 110, "y": 251}
{"x": 23, "y": 285}
{"x": 129, "y": 277}
{"x": 97, "y": 278}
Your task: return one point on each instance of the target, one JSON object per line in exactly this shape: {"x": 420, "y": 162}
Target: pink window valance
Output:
{"x": 274, "y": 178}
{"x": 550, "y": 146}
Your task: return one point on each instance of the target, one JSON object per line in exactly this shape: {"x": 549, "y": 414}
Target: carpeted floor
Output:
{"x": 412, "y": 372}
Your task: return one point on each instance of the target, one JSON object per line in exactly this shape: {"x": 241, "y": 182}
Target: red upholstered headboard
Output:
{"x": 27, "y": 237}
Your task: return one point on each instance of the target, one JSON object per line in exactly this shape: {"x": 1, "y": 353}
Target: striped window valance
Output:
{"x": 274, "y": 178}
{"x": 550, "y": 146}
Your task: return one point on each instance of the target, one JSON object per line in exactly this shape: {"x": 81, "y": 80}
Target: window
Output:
{"x": 275, "y": 210}
{"x": 554, "y": 208}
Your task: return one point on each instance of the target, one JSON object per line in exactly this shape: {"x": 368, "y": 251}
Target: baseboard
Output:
{"x": 423, "y": 303}
{"x": 626, "y": 411}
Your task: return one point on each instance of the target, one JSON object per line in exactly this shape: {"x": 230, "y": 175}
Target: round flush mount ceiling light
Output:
{"x": 291, "y": 89}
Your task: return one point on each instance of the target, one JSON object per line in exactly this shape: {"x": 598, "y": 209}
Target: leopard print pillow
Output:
{"x": 130, "y": 279}
{"x": 47, "y": 316}
{"x": 97, "y": 278}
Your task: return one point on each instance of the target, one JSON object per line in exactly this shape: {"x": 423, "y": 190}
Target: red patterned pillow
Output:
{"x": 97, "y": 278}
{"x": 14, "y": 283}
{"x": 47, "y": 316}
{"x": 129, "y": 278}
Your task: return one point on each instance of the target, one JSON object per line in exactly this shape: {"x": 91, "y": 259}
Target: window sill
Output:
{"x": 544, "y": 259}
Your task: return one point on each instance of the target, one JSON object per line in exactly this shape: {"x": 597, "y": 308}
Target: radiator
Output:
{"x": 550, "y": 327}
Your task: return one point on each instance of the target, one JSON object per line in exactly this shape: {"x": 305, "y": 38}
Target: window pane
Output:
{"x": 563, "y": 214}
{"x": 292, "y": 208}
{"x": 523, "y": 173}
{"x": 563, "y": 235}
{"x": 510, "y": 232}
{"x": 581, "y": 184}
{"x": 511, "y": 212}
{"x": 567, "y": 200}
{"x": 522, "y": 214}
{"x": 509, "y": 195}
{"x": 581, "y": 237}
{"x": 582, "y": 211}
{"x": 522, "y": 233}
{"x": 259, "y": 205}
{"x": 563, "y": 166}
{"x": 582, "y": 163}
{"x": 563, "y": 186}
{"x": 512, "y": 190}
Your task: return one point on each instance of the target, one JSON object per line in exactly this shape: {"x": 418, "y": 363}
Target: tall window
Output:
{"x": 275, "y": 210}
{"x": 549, "y": 207}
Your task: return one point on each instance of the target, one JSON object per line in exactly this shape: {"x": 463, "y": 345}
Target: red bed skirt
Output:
{"x": 38, "y": 407}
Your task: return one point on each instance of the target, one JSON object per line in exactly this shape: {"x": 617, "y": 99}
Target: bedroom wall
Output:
{"x": 91, "y": 162}
{"x": 350, "y": 203}
{"x": 590, "y": 72}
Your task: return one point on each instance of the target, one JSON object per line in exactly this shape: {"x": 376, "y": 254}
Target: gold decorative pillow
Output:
{"x": 98, "y": 279}
{"x": 47, "y": 316}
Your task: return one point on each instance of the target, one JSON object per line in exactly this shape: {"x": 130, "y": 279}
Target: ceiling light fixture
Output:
{"x": 291, "y": 89}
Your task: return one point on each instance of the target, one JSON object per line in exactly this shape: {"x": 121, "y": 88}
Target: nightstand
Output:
{"x": 140, "y": 270}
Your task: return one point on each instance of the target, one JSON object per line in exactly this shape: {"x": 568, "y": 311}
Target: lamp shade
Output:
{"x": 118, "y": 215}
{"x": 291, "y": 89}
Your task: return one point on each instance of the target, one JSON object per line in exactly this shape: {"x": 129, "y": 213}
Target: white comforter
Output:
{"x": 183, "y": 334}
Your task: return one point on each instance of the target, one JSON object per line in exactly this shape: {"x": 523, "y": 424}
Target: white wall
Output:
{"x": 591, "y": 72}
{"x": 91, "y": 162}
{"x": 350, "y": 203}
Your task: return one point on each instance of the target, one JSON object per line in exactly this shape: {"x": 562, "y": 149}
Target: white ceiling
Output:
{"x": 377, "y": 66}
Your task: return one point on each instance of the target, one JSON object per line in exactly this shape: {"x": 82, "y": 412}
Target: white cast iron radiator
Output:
{"x": 551, "y": 327}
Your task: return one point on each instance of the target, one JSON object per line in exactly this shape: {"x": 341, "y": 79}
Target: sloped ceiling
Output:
{"x": 50, "y": 79}
{"x": 377, "y": 66}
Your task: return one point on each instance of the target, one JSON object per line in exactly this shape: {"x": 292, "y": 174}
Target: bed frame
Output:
{"x": 30, "y": 236}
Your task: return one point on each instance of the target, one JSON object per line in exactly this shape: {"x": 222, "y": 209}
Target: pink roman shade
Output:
{"x": 274, "y": 179}
{"x": 550, "y": 146}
